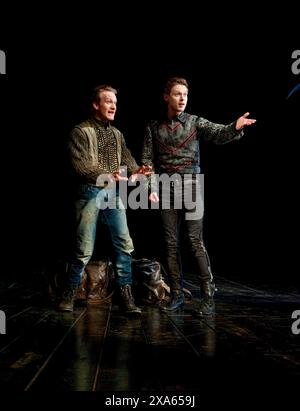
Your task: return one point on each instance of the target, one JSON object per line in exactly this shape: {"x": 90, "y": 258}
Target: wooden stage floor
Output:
{"x": 248, "y": 342}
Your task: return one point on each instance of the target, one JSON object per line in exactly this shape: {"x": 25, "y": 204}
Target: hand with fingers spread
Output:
{"x": 145, "y": 170}
{"x": 244, "y": 121}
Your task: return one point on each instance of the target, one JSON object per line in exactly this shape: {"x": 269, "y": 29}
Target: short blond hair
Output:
{"x": 98, "y": 90}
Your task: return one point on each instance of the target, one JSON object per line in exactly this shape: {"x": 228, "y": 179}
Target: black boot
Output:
{"x": 207, "y": 304}
{"x": 67, "y": 302}
{"x": 127, "y": 304}
{"x": 176, "y": 301}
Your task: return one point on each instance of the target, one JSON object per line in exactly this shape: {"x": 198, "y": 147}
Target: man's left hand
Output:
{"x": 244, "y": 121}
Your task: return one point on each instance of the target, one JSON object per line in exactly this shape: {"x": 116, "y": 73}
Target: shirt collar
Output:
{"x": 182, "y": 117}
{"x": 104, "y": 124}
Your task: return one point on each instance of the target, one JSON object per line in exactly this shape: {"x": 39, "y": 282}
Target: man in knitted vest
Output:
{"x": 171, "y": 147}
{"x": 97, "y": 151}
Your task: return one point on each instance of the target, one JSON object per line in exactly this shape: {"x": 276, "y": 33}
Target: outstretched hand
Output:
{"x": 244, "y": 121}
{"x": 146, "y": 170}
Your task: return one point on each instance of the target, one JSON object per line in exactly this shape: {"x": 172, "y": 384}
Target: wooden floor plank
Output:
{"x": 20, "y": 362}
{"x": 174, "y": 361}
{"x": 74, "y": 365}
{"x": 124, "y": 360}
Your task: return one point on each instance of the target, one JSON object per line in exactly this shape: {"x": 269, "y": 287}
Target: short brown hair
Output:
{"x": 97, "y": 90}
{"x": 173, "y": 81}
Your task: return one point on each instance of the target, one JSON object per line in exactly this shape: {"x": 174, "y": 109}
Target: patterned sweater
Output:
{"x": 92, "y": 154}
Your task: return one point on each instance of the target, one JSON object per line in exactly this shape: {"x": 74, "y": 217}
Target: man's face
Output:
{"x": 106, "y": 109}
{"x": 177, "y": 99}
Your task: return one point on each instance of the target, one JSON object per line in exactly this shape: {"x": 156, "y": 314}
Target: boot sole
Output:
{"x": 167, "y": 310}
{"x": 131, "y": 313}
{"x": 65, "y": 309}
{"x": 201, "y": 314}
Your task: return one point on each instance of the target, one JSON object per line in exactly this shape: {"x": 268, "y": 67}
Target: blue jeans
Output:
{"x": 87, "y": 214}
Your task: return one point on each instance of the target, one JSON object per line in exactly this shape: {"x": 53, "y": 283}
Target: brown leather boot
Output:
{"x": 67, "y": 302}
{"x": 127, "y": 304}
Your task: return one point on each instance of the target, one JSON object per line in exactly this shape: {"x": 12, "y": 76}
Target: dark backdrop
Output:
{"x": 52, "y": 65}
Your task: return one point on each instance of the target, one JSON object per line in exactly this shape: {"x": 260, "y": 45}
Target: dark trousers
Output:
{"x": 172, "y": 219}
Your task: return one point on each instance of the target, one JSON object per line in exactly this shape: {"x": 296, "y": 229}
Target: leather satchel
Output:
{"x": 100, "y": 282}
{"x": 96, "y": 287}
{"x": 97, "y": 284}
{"x": 149, "y": 283}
